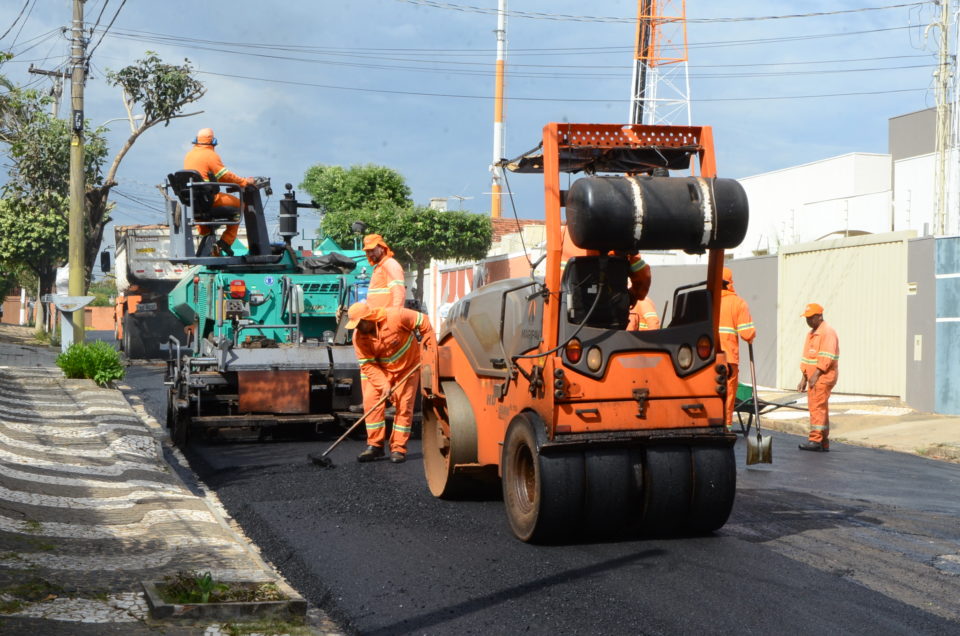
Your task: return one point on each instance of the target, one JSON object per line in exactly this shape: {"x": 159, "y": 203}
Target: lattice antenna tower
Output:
{"x": 660, "y": 92}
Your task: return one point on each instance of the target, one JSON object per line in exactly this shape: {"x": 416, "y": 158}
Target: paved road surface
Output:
{"x": 856, "y": 541}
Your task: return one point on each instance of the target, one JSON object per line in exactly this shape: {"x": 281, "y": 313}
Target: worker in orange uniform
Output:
{"x": 819, "y": 364}
{"x": 205, "y": 160}
{"x": 387, "y": 288}
{"x": 385, "y": 341}
{"x": 643, "y": 316}
{"x": 735, "y": 323}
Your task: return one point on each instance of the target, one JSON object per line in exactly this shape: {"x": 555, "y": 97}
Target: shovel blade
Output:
{"x": 759, "y": 449}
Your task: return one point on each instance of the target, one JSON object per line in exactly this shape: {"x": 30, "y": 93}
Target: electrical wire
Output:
{"x": 535, "y": 15}
{"x": 16, "y": 19}
{"x": 106, "y": 30}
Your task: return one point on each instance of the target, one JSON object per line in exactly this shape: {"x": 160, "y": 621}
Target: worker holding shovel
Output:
{"x": 385, "y": 341}
{"x": 735, "y": 323}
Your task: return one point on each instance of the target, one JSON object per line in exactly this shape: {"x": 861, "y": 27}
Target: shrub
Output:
{"x": 97, "y": 361}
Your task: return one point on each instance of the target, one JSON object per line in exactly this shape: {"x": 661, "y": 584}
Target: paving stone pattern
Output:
{"x": 89, "y": 508}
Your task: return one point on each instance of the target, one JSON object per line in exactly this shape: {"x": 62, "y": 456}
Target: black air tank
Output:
{"x": 653, "y": 213}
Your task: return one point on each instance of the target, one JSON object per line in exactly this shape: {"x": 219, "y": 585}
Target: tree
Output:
{"x": 360, "y": 187}
{"x": 418, "y": 234}
{"x": 35, "y": 205}
{"x": 161, "y": 91}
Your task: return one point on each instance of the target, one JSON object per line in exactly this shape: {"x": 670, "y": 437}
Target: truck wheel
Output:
{"x": 543, "y": 495}
{"x": 449, "y": 439}
{"x": 667, "y": 477}
{"x": 714, "y": 488}
{"x": 133, "y": 338}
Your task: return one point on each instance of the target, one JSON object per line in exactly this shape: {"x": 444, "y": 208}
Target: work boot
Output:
{"x": 813, "y": 446}
{"x": 398, "y": 457}
{"x": 224, "y": 248}
{"x": 204, "y": 249}
{"x": 370, "y": 453}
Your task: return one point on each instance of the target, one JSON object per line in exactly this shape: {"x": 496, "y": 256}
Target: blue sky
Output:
{"x": 409, "y": 83}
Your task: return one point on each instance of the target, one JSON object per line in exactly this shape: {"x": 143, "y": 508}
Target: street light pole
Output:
{"x": 77, "y": 178}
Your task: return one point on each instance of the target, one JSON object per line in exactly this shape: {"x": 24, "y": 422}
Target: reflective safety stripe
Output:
{"x": 820, "y": 428}
{"x": 401, "y": 429}
{"x": 650, "y": 314}
{"x": 394, "y": 283}
{"x": 746, "y": 325}
{"x": 729, "y": 330}
{"x": 221, "y": 173}
{"x": 378, "y": 290}
{"x": 636, "y": 267}
{"x": 372, "y": 426}
{"x": 808, "y": 360}
{"x": 827, "y": 354}
{"x": 419, "y": 320}
{"x": 399, "y": 353}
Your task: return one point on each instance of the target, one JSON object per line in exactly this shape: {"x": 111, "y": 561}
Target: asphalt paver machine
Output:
{"x": 266, "y": 349}
{"x": 593, "y": 430}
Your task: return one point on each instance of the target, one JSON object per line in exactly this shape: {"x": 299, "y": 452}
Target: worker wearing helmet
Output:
{"x": 735, "y": 323}
{"x": 205, "y": 160}
{"x": 819, "y": 367}
{"x": 387, "y": 288}
{"x": 385, "y": 343}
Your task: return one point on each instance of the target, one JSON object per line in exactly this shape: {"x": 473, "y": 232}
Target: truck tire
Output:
{"x": 133, "y": 336}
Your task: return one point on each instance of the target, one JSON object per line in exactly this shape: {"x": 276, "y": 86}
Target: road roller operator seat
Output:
{"x": 197, "y": 194}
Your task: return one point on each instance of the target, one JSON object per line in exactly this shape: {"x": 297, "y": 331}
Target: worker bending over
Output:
{"x": 385, "y": 341}
{"x": 387, "y": 288}
{"x": 205, "y": 160}
{"x": 735, "y": 323}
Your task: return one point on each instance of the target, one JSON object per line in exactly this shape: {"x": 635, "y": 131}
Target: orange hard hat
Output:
{"x": 370, "y": 241}
{"x": 812, "y": 309}
{"x": 205, "y": 137}
{"x": 727, "y": 275}
{"x": 362, "y": 311}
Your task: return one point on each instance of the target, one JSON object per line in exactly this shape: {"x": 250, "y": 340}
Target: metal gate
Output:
{"x": 862, "y": 284}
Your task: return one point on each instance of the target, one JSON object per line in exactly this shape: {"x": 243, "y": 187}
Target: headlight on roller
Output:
{"x": 594, "y": 358}
{"x": 685, "y": 357}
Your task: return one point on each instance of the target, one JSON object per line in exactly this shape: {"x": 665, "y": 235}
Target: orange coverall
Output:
{"x": 735, "y": 323}
{"x": 386, "y": 283}
{"x": 205, "y": 160}
{"x": 821, "y": 350}
{"x": 385, "y": 356}
{"x": 643, "y": 316}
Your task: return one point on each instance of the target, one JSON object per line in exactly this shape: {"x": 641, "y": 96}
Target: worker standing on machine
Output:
{"x": 643, "y": 316}
{"x": 205, "y": 160}
{"x": 387, "y": 288}
{"x": 385, "y": 342}
{"x": 735, "y": 323}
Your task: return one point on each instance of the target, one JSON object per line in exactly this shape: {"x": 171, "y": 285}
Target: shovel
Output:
{"x": 759, "y": 447}
{"x": 326, "y": 462}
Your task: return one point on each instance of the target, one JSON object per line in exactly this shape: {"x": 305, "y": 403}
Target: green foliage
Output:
{"x": 365, "y": 187}
{"x": 96, "y": 361}
{"x": 186, "y": 587}
{"x": 160, "y": 89}
{"x": 102, "y": 292}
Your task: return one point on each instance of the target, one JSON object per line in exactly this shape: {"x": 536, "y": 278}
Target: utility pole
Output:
{"x": 77, "y": 180}
{"x": 498, "y": 136}
{"x": 57, "y": 90}
{"x": 660, "y": 89}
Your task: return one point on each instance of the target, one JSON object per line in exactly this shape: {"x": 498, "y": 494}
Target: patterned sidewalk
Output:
{"x": 89, "y": 508}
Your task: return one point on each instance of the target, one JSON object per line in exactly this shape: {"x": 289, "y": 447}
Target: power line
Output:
{"x": 535, "y": 15}
{"x": 539, "y": 99}
{"x": 15, "y": 20}
{"x": 106, "y": 30}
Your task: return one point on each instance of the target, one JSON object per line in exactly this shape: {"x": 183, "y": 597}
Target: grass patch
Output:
{"x": 16, "y": 595}
{"x": 194, "y": 587}
{"x": 32, "y": 526}
{"x": 291, "y": 627}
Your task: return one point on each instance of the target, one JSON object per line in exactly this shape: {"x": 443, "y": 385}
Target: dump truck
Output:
{"x": 266, "y": 350}
{"x": 144, "y": 276}
{"x": 536, "y": 385}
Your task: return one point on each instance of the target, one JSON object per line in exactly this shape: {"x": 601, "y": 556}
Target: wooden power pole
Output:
{"x": 77, "y": 180}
